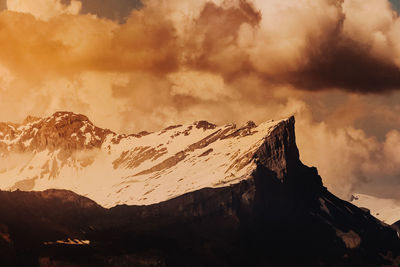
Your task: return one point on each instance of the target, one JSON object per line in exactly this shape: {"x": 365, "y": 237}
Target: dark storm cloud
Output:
{"x": 333, "y": 57}
{"x": 352, "y": 57}
{"x": 346, "y": 64}
{"x": 117, "y": 10}
{"x": 396, "y": 4}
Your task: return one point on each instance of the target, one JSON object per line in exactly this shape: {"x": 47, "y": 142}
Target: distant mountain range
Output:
{"x": 190, "y": 195}
{"x": 385, "y": 209}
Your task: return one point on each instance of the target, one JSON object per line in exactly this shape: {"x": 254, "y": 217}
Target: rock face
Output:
{"x": 63, "y": 131}
{"x": 278, "y": 214}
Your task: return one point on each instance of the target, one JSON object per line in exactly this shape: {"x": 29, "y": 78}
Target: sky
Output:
{"x": 132, "y": 66}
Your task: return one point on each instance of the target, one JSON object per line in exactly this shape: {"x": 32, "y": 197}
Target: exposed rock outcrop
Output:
{"x": 65, "y": 131}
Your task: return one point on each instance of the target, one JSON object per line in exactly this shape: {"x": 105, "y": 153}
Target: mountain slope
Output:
{"x": 66, "y": 151}
{"x": 280, "y": 214}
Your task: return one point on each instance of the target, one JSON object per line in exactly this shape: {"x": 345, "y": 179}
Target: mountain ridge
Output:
{"x": 279, "y": 214}
{"x": 66, "y": 145}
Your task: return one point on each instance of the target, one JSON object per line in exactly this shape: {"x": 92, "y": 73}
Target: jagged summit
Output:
{"x": 205, "y": 125}
{"x": 62, "y": 117}
{"x": 65, "y": 131}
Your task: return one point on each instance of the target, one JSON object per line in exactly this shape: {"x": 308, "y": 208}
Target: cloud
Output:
{"x": 392, "y": 148}
{"x": 334, "y": 64}
{"x": 44, "y": 9}
{"x": 280, "y": 42}
{"x": 69, "y": 45}
{"x": 348, "y": 159}
{"x": 200, "y": 85}
{"x": 117, "y": 10}
{"x": 347, "y": 65}
{"x": 358, "y": 55}
{"x": 309, "y": 45}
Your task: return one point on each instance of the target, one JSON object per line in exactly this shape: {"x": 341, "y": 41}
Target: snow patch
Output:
{"x": 88, "y": 138}
{"x": 69, "y": 241}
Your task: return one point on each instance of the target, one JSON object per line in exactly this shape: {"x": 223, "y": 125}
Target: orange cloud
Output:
{"x": 44, "y": 9}
{"x": 224, "y": 60}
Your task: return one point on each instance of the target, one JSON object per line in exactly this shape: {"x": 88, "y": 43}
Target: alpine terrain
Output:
{"x": 66, "y": 151}
{"x": 190, "y": 195}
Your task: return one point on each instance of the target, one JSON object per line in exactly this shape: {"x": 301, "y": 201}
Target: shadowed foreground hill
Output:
{"x": 280, "y": 215}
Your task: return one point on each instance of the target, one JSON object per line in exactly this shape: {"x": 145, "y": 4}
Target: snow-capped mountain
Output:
{"x": 66, "y": 151}
{"x": 227, "y": 197}
{"x": 385, "y": 209}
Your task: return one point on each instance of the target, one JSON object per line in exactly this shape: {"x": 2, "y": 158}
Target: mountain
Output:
{"x": 272, "y": 210}
{"x": 66, "y": 151}
{"x": 30, "y": 219}
{"x": 385, "y": 209}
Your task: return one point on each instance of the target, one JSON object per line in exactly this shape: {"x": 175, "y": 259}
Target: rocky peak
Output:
{"x": 30, "y": 119}
{"x": 205, "y": 125}
{"x": 279, "y": 152}
{"x": 66, "y": 131}
{"x": 250, "y": 124}
{"x": 279, "y": 166}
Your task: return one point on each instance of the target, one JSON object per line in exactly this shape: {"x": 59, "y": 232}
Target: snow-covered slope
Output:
{"x": 66, "y": 151}
{"x": 385, "y": 209}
